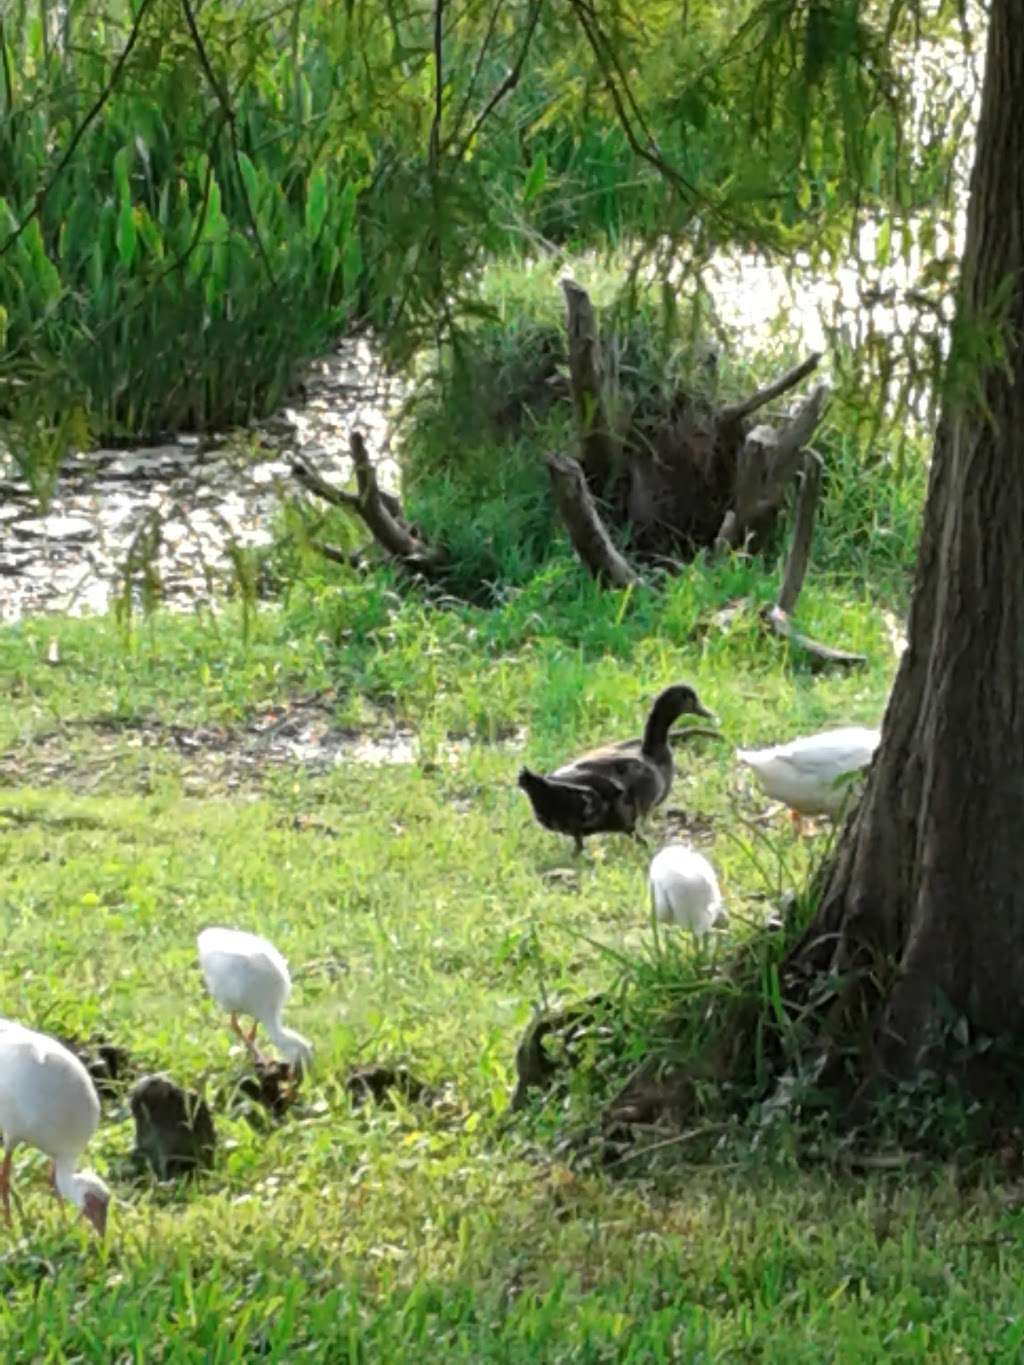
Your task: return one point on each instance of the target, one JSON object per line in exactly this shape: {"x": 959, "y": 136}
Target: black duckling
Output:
{"x": 174, "y": 1130}
{"x": 608, "y": 790}
{"x": 598, "y": 805}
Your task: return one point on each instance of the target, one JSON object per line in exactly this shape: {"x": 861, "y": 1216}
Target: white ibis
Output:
{"x": 684, "y": 889}
{"x": 48, "y": 1100}
{"x": 246, "y": 974}
{"x": 806, "y": 773}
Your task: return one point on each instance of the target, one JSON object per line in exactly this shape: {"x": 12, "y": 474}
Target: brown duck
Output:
{"x": 608, "y": 790}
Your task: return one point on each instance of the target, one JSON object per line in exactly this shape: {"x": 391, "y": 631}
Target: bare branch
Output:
{"x": 821, "y": 656}
{"x": 765, "y": 464}
{"x": 587, "y": 532}
{"x": 350, "y": 560}
{"x": 803, "y": 533}
{"x": 734, "y": 412}
{"x": 313, "y": 483}
{"x": 379, "y": 511}
{"x": 507, "y": 85}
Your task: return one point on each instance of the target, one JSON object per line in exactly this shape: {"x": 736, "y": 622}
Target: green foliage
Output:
{"x": 244, "y": 192}
{"x": 415, "y": 903}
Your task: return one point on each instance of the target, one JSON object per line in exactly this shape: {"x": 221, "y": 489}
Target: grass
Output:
{"x": 417, "y": 906}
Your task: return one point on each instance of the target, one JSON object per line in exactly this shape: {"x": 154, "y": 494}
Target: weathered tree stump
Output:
{"x": 669, "y": 479}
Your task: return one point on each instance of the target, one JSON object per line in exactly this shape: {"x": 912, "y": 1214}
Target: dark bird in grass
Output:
{"x": 610, "y": 789}
{"x": 598, "y": 805}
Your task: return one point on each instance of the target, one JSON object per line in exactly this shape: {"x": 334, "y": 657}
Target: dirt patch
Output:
{"x": 300, "y": 734}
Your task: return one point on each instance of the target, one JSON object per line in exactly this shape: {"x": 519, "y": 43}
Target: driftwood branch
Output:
{"x": 313, "y": 483}
{"x": 734, "y": 412}
{"x": 765, "y": 465}
{"x": 587, "y": 532}
{"x": 599, "y": 449}
{"x": 803, "y": 532}
{"x": 350, "y": 559}
{"x": 380, "y": 511}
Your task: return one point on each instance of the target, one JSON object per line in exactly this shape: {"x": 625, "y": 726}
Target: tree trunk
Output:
{"x": 924, "y": 905}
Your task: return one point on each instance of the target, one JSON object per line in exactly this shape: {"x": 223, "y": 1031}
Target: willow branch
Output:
{"x": 506, "y": 86}
{"x": 224, "y": 100}
{"x": 82, "y": 128}
{"x": 435, "y": 127}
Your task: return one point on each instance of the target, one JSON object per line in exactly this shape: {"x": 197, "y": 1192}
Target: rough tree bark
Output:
{"x": 926, "y": 898}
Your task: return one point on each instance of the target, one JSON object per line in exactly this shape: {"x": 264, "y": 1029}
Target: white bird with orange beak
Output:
{"x": 48, "y": 1101}
{"x": 246, "y": 974}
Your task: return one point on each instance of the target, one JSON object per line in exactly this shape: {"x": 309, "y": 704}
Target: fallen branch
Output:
{"x": 351, "y": 560}
{"x": 587, "y": 532}
{"x": 380, "y": 511}
{"x": 599, "y": 450}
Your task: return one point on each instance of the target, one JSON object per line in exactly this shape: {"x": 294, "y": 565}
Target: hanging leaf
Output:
{"x": 351, "y": 263}
{"x": 316, "y": 202}
{"x": 122, "y": 163}
{"x": 251, "y": 178}
{"x": 883, "y": 243}
{"x": 536, "y": 177}
{"x": 126, "y": 234}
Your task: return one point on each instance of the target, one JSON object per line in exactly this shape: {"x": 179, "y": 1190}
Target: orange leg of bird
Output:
{"x": 249, "y": 1039}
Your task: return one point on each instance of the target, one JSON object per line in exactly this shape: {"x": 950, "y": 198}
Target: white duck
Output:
{"x": 48, "y": 1100}
{"x": 685, "y": 890}
{"x": 246, "y": 974}
{"x": 805, "y": 773}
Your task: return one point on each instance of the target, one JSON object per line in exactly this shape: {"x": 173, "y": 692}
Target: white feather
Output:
{"x": 684, "y": 889}
{"x": 805, "y": 773}
{"x": 48, "y": 1100}
{"x": 246, "y": 974}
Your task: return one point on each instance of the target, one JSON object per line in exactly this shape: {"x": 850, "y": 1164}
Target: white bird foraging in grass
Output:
{"x": 48, "y": 1101}
{"x": 246, "y": 974}
{"x": 806, "y": 773}
{"x": 685, "y": 890}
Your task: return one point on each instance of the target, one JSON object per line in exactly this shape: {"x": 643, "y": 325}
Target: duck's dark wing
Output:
{"x": 596, "y": 803}
{"x": 619, "y": 749}
{"x": 643, "y": 781}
